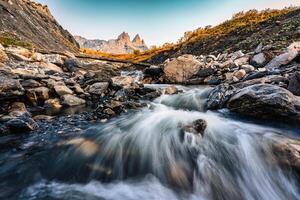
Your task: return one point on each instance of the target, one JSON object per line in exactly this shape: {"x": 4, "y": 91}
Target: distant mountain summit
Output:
{"x": 123, "y": 44}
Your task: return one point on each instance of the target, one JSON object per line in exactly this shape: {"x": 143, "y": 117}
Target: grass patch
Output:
{"x": 8, "y": 39}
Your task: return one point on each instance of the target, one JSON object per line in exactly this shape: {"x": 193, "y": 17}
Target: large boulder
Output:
{"x": 294, "y": 84}
{"x": 179, "y": 70}
{"x": 265, "y": 101}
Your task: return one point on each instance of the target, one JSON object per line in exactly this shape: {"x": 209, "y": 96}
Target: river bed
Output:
{"x": 142, "y": 155}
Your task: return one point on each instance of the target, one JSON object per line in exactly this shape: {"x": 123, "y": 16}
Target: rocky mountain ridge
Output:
{"x": 122, "y": 45}
{"x": 30, "y": 22}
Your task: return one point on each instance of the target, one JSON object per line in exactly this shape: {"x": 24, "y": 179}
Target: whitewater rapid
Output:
{"x": 140, "y": 155}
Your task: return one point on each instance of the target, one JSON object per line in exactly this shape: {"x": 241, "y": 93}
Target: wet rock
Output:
{"x": 287, "y": 152}
{"x": 72, "y": 64}
{"x": 259, "y": 60}
{"x": 153, "y": 71}
{"x": 61, "y": 89}
{"x": 21, "y": 124}
{"x": 265, "y": 101}
{"x": 71, "y": 100}
{"x": 37, "y": 95}
{"x": 43, "y": 117}
{"x": 123, "y": 81}
{"x": 171, "y": 90}
{"x": 213, "y": 80}
{"x": 205, "y": 72}
{"x": 109, "y": 112}
{"x": 219, "y": 96}
{"x": 179, "y": 70}
{"x": 294, "y": 83}
{"x": 98, "y": 88}
{"x": 197, "y": 127}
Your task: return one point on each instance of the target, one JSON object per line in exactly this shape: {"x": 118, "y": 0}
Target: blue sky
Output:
{"x": 157, "y": 21}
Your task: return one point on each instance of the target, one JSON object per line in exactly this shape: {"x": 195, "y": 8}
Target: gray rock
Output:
{"x": 72, "y": 64}
{"x": 10, "y": 87}
{"x": 282, "y": 59}
{"x": 22, "y": 124}
{"x": 259, "y": 60}
{"x": 98, "y": 88}
{"x": 265, "y": 101}
{"x": 259, "y": 48}
{"x": 294, "y": 84}
{"x": 71, "y": 100}
{"x": 61, "y": 89}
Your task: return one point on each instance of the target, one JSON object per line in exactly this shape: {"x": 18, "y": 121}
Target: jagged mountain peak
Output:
{"x": 121, "y": 45}
{"x": 137, "y": 40}
{"x": 124, "y": 37}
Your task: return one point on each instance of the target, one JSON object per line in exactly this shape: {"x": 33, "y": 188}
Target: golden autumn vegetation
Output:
{"x": 247, "y": 20}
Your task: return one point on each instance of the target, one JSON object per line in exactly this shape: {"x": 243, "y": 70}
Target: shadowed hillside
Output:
{"x": 29, "y": 24}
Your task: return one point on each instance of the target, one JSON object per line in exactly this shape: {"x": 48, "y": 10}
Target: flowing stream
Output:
{"x": 143, "y": 155}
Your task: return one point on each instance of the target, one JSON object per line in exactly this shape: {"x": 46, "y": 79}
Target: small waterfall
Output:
{"x": 141, "y": 155}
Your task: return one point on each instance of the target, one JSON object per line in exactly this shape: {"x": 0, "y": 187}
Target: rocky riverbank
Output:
{"x": 263, "y": 84}
{"x": 34, "y": 84}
